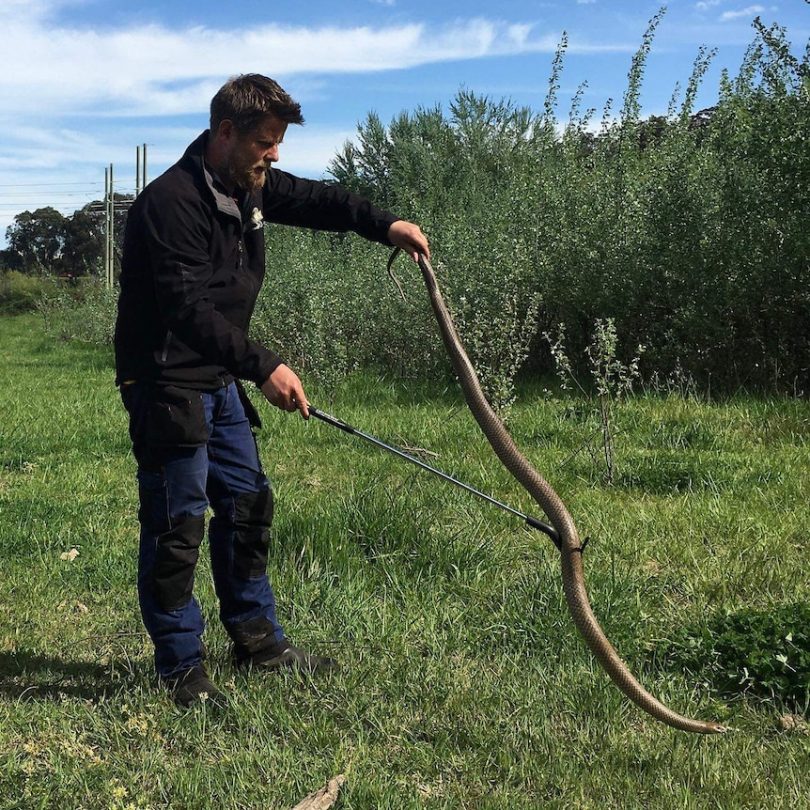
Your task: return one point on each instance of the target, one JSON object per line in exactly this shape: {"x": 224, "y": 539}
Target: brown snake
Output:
{"x": 542, "y": 492}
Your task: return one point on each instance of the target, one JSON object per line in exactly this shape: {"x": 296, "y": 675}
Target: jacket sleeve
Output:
{"x": 291, "y": 200}
{"x": 177, "y": 234}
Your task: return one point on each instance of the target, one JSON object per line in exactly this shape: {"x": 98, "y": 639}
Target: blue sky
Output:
{"x": 85, "y": 81}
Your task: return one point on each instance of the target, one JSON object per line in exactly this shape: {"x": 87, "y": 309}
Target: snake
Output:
{"x": 570, "y": 546}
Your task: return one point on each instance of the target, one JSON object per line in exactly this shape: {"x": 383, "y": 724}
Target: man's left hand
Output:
{"x": 409, "y": 238}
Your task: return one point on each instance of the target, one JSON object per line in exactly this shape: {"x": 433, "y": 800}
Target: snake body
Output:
{"x": 570, "y": 547}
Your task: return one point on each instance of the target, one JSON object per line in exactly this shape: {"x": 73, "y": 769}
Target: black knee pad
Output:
{"x": 253, "y": 515}
{"x": 175, "y": 560}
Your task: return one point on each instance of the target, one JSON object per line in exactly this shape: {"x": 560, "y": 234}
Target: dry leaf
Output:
{"x": 69, "y": 556}
{"x": 324, "y": 798}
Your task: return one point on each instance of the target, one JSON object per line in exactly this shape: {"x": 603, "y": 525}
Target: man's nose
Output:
{"x": 271, "y": 155}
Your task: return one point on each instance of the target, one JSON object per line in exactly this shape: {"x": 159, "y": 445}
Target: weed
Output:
{"x": 612, "y": 380}
{"x": 764, "y": 653}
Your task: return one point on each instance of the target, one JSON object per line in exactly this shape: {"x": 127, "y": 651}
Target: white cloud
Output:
{"x": 748, "y": 11}
{"x": 585, "y": 2}
{"x": 34, "y": 174}
{"x": 707, "y": 4}
{"x": 155, "y": 70}
{"x": 72, "y": 94}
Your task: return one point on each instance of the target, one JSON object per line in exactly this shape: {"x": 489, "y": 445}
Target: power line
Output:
{"x": 61, "y": 200}
{"x": 12, "y": 203}
{"x": 71, "y": 183}
{"x": 57, "y": 195}
{"x": 88, "y": 190}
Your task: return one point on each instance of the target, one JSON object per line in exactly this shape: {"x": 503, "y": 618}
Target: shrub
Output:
{"x": 20, "y": 292}
{"x": 83, "y": 311}
{"x": 759, "y": 652}
{"x": 688, "y": 231}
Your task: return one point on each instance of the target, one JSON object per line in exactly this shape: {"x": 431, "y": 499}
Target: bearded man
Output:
{"x": 193, "y": 264}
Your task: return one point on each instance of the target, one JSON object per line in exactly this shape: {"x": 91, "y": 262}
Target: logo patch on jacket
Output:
{"x": 256, "y": 219}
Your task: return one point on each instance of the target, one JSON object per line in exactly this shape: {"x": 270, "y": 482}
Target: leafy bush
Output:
{"x": 20, "y": 292}
{"x": 328, "y": 308}
{"x": 448, "y": 175}
{"x": 687, "y": 230}
{"x": 758, "y": 652}
{"x": 83, "y": 311}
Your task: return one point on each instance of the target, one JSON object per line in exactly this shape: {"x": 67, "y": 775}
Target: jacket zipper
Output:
{"x": 166, "y": 347}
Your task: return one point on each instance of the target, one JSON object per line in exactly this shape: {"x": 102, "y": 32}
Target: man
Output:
{"x": 192, "y": 268}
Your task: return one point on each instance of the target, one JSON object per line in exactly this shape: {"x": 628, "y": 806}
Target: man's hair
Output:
{"x": 248, "y": 98}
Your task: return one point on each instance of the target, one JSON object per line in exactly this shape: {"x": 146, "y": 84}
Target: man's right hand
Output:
{"x": 284, "y": 390}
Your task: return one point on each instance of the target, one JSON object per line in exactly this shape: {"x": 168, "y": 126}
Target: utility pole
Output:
{"x": 106, "y": 225}
{"x": 109, "y": 226}
{"x": 140, "y": 169}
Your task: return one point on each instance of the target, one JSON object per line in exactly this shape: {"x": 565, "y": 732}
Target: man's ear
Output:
{"x": 226, "y": 130}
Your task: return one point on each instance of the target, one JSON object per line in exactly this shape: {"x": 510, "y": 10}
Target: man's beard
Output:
{"x": 247, "y": 176}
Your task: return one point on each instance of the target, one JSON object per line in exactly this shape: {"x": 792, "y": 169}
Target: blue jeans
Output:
{"x": 196, "y": 449}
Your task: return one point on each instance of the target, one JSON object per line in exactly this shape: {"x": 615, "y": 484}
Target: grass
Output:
{"x": 464, "y": 683}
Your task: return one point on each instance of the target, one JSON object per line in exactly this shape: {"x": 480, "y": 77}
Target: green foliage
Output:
{"x": 20, "y": 292}
{"x": 329, "y": 309}
{"x": 765, "y": 653}
{"x": 693, "y": 239}
{"x": 466, "y": 179}
{"x": 46, "y": 242}
{"x": 84, "y": 310}
{"x": 687, "y": 230}
{"x": 37, "y": 236}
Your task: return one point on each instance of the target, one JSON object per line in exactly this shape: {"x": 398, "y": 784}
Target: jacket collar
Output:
{"x": 224, "y": 202}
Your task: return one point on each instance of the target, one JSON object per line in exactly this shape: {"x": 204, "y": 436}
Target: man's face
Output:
{"x": 252, "y": 153}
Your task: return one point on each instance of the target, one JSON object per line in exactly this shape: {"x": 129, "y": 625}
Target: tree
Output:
{"x": 83, "y": 244}
{"x": 9, "y": 260}
{"x": 44, "y": 241}
{"x": 37, "y": 238}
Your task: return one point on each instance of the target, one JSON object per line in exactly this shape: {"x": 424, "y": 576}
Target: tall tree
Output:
{"x": 83, "y": 244}
{"x": 44, "y": 241}
{"x": 37, "y": 238}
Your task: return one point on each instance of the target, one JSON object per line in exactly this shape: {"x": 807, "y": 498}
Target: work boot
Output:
{"x": 192, "y": 686}
{"x": 255, "y": 645}
{"x": 282, "y": 655}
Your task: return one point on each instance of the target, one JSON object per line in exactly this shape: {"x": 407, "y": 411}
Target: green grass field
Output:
{"x": 464, "y": 682}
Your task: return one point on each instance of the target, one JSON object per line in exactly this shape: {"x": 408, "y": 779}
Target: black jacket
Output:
{"x": 193, "y": 264}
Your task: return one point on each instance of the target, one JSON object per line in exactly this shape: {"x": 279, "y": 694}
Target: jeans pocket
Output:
{"x": 176, "y": 418}
{"x": 250, "y": 409}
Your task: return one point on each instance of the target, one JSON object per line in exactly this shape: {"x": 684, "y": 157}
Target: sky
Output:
{"x": 86, "y": 81}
